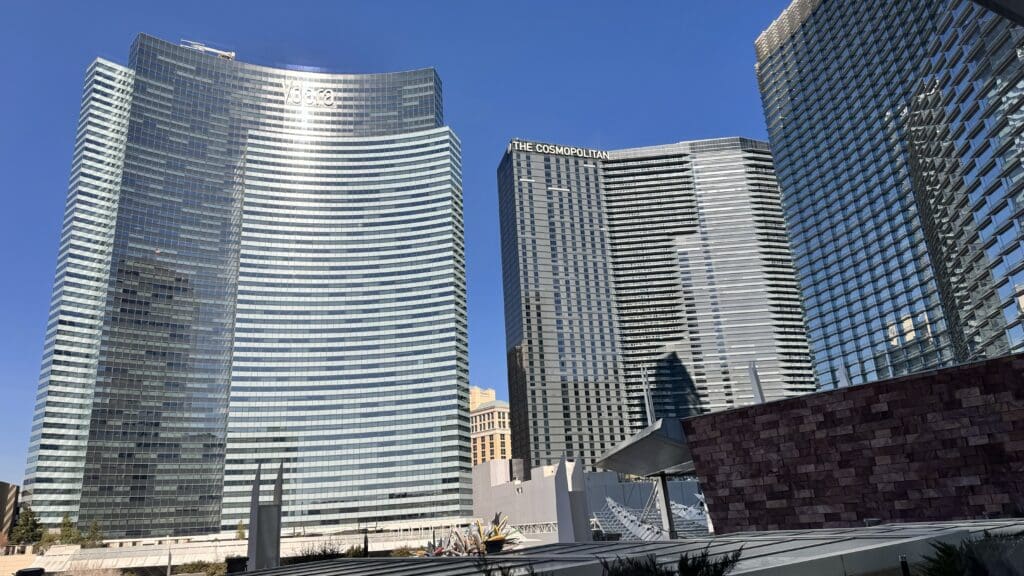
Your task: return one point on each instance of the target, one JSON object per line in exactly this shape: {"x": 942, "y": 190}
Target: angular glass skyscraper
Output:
{"x": 258, "y": 266}
{"x": 897, "y": 134}
{"x": 663, "y": 269}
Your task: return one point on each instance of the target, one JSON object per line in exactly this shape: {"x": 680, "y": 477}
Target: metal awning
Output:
{"x": 659, "y": 448}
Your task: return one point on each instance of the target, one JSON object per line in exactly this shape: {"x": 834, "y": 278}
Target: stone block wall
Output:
{"x": 940, "y": 445}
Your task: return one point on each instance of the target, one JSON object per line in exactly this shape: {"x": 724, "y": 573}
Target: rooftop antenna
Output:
{"x": 648, "y": 401}
{"x": 755, "y": 383}
{"x": 844, "y": 377}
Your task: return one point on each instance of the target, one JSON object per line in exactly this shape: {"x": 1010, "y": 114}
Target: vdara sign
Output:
{"x": 539, "y": 148}
{"x": 297, "y": 93}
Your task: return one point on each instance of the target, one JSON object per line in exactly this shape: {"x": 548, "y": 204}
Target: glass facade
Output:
{"x": 275, "y": 273}
{"x": 703, "y": 277}
{"x": 663, "y": 268}
{"x": 60, "y": 424}
{"x": 897, "y": 138}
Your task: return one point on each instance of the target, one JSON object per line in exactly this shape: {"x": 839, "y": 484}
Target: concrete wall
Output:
{"x": 533, "y": 501}
{"x": 529, "y": 502}
{"x": 940, "y": 445}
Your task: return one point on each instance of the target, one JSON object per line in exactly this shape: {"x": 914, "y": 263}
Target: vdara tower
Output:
{"x": 257, "y": 266}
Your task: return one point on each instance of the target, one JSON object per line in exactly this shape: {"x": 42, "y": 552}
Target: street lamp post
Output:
{"x": 661, "y": 486}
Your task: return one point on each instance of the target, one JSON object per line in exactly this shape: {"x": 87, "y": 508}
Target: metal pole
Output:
{"x": 666, "y": 507}
{"x": 755, "y": 383}
{"x": 904, "y": 567}
{"x": 844, "y": 377}
{"x": 648, "y": 402}
{"x": 168, "y": 555}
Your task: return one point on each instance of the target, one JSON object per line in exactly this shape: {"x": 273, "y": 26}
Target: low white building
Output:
{"x": 532, "y": 505}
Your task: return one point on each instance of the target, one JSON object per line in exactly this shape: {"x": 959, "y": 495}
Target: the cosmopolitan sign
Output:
{"x": 554, "y": 149}
{"x": 299, "y": 94}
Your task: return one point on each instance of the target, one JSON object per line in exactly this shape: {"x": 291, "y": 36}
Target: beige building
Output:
{"x": 478, "y": 396}
{"x": 489, "y": 426}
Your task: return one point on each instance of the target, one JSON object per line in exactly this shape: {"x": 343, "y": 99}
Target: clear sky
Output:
{"x": 587, "y": 73}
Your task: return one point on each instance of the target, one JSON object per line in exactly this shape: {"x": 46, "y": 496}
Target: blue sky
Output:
{"x": 587, "y": 73}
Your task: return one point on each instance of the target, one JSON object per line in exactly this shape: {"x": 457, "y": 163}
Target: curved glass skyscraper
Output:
{"x": 258, "y": 266}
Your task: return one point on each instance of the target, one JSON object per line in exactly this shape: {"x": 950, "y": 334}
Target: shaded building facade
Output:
{"x": 896, "y": 131}
{"x": 8, "y": 510}
{"x": 659, "y": 272}
{"x": 252, "y": 258}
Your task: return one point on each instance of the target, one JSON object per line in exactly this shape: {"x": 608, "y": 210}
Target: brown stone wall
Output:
{"x": 941, "y": 445}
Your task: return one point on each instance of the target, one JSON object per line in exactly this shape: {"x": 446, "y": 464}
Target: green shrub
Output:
{"x": 947, "y": 561}
{"x": 635, "y": 566}
{"x": 200, "y": 567}
{"x": 322, "y": 550}
{"x": 990, "y": 555}
{"x": 354, "y": 552}
{"x": 703, "y": 565}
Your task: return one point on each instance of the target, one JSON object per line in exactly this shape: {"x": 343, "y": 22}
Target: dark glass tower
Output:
{"x": 896, "y": 129}
{"x": 566, "y": 394}
{"x": 257, "y": 266}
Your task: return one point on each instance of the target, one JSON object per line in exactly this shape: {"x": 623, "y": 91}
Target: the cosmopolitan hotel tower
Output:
{"x": 897, "y": 133}
{"x": 663, "y": 268}
{"x": 257, "y": 265}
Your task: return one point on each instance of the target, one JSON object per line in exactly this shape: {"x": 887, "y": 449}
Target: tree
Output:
{"x": 28, "y": 530}
{"x": 94, "y": 537}
{"x": 240, "y": 531}
{"x": 69, "y": 533}
{"x": 48, "y": 539}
